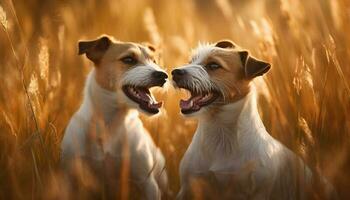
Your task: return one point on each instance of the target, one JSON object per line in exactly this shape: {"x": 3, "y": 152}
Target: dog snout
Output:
{"x": 159, "y": 75}
{"x": 158, "y": 78}
{"x": 178, "y": 72}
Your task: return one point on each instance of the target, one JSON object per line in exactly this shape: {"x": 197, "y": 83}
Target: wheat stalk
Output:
{"x": 10, "y": 124}
{"x": 151, "y": 27}
{"x": 43, "y": 60}
{"x": 3, "y": 18}
{"x": 225, "y": 8}
{"x": 20, "y": 67}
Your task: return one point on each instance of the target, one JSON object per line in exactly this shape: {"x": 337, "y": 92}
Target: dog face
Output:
{"x": 217, "y": 74}
{"x": 126, "y": 68}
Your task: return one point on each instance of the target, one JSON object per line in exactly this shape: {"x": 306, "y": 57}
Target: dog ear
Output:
{"x": 225, "y": 44}
{"x": 252, "y": 66}
{"x": 94, "y": 49}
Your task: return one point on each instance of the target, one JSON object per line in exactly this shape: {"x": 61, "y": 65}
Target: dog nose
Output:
{"x": 178, "y": 72}
{"x": 159, "y": 75}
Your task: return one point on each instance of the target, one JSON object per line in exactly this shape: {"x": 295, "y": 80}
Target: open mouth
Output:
{"x": 197, "y": 101}
{"x": 143, "y": 97}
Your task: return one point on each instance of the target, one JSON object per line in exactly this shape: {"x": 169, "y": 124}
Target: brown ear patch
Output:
{"x": 252, "y": 66}
{"x": 225, "y": 44}
{"x": 94, "y": 49}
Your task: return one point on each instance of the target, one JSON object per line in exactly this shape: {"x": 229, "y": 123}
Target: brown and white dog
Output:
{"x": 231, "y": 150}
{"x": 107, "y": 126}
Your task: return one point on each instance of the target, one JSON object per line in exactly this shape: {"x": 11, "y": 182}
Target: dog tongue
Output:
{"x": 149, "y": 100}
{"x": 144, "y": 96}
{"x": 190, "y": 103}
{"x": 186, "y": 104}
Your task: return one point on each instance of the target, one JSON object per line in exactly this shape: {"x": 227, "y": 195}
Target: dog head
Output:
{"x": 218, "y": 74}
{"x": 126, "y": 68}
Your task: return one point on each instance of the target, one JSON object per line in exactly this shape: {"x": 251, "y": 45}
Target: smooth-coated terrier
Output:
{"x": 107, "y": 126}
{"x": 231, "y": 150}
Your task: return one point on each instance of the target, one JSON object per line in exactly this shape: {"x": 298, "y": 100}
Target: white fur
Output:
{"x": 199, "y": 81}
{"x": 140, "y": 75}
{"x": 205, "y": 49}
{"x": 121, "y": 124}
{"x": 233, "y": 144}
{"x": 201, "y": 52}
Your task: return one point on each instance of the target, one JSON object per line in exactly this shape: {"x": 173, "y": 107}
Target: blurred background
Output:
{"x": 304, "y": 100}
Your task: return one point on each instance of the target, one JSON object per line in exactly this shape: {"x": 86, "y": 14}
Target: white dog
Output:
{"x": 231, "y": 149}
{"x": 107, "y": 126}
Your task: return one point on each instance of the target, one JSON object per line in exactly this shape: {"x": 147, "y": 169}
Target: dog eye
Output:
{"x": 212, "y": 66}
{"x": 129, "y": 60}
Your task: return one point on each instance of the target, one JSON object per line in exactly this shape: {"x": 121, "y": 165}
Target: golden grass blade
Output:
{"x": 3, "y": 18}
{"x": 43, "y": 60}
{"x": 306, "y": 93}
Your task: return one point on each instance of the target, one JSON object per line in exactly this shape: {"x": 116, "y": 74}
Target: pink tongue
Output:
{"x": 188, "y": 104}
{"x": 144, "y": 96}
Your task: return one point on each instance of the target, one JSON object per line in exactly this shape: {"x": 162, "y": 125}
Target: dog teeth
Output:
{"x": 206, "y": 97}
{"x": 191, "y": 104}
{"x": 133, "y": 91}
{"x": 151, "y": 99}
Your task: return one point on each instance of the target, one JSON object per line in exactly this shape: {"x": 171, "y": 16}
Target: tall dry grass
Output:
{"x": 304, "y": 102}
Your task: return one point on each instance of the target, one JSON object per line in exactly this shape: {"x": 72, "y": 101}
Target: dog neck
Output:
{"x": 231, "y": 128}
{"x": 102, "y": 102}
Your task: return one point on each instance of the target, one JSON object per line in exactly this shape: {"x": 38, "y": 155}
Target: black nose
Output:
{"x": 178, "y": 72}
{"x": 159, "y": 75}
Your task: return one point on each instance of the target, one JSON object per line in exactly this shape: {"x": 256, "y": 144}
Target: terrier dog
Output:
{"x": 107, "y": 126}
{"x": 231, "y": 149}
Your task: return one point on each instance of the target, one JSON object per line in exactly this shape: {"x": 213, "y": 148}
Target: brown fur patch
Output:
{"x": 230, "y": 77}
{"x": 110, "y": 68}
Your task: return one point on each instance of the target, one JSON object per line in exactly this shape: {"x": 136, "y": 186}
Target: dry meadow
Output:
{"x": 304, "y": 100}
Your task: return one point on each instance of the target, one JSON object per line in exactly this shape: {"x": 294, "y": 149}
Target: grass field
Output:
{"x": 304, "y": 101}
